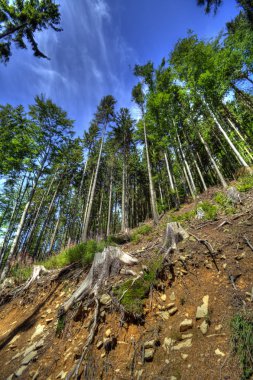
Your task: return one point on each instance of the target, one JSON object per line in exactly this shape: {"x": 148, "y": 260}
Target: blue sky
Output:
{"x": 95, "y": 54}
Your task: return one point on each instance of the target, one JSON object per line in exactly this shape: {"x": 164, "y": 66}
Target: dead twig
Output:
{"x": 223, "y": 224}
{"x": 209, "y": 247}
{"x": 248, "y": 242}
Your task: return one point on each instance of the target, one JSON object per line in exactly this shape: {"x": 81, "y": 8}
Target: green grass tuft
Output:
{"x": 83, "y": 253}
{"x": 135, "y": 294}
{"x": 242, "y": 340}
{"x": 138, "y": 232}
{"x": 187, "y": 216}
{"x": 245, "y": 183}
{"x": 20, "y": 273}
{"x": 210, "y": 210}
{"x": 224, "y": 202}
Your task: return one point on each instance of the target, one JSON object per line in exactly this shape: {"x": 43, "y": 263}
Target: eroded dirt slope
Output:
{"x": 186, "y": 330}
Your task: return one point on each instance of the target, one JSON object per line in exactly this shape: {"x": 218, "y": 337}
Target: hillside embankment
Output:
{"x": 181, "y": 329}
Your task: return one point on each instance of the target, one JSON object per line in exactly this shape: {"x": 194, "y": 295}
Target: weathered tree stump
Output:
{"x": 105, "y": 264}
{"x": 173, "y": 235}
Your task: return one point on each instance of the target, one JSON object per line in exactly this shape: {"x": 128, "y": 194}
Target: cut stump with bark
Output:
{"x": 105, "y": 264}
{"x": 173, "y": 235}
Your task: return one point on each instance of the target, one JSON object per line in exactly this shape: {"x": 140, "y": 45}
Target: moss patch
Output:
{"x": 135, "y": 294}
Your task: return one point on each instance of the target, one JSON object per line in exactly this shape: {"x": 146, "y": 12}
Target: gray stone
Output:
{"x": 186, "y": 336}
{"x": 30, "y": 349}
{"x": 186, "y": 325}
{"x": 164, "y": 315}
{"x": 204, "y": 327}
{"x": 167, "y": 344}
{"x": 149, "y": 354}
{"x": 184, "y": 344}
{"x": 19, "y": 372}
{"x": 172, "y": 296}
{"x": 202, "y": 311}
{"x": 105, "y": 299}
{"x": 99, "y": 344}
{"x": 150, "y": 344}
{"x": 173, "y": 310}
{"x": 32, "y": 355}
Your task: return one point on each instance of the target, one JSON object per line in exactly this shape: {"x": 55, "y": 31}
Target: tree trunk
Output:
{"x": 192, "y": 186}
{"x": 151, "y": 185}
{"x": 90, "y": 201}
{"x": 200, "y": 174}
{"x": 109, "y": 206}
{"x": 223, "y": 182}
{"x": 241, "y": 137}
{"x": 237, "y": 154}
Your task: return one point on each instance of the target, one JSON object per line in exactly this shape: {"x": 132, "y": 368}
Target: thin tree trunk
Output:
{"x": 90, "y": 203}
{"x": 13, "y": 218}
{"x": 151, "y": 185}
{"x": 46, "y": 220}
{"x": 46, "y": 193}
{"x": 241, "y": 137}
{"x": 223, "y": 182}
{"x": 109, "y": 206}
{"x": 54, "y": 233}
{"x": 200, "y": 174}
{"x": 193, "y": 187}
{"x": 237, "y": 154}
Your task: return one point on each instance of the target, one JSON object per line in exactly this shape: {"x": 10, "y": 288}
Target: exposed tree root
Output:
{"x": 38, "y": 270}
{"x": 209, "y": 247}
{"x": 75, "y": 372}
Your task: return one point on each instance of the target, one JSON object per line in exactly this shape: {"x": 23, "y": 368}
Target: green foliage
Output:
{"x": 187, "y": 216}
{"x": 138, "y": 232}
{"x": 135, "y": 294}
{"x": 20, "y": 20}
{"x": 210, "y": 210}
{"x": 60, "y": 325}
{"x": 224, "y": 202}
{"x": 242, "y": 340}
{"x": 83, "y": 253}
{"x": 245, "y": 183}
{"x": 20, "y": 273}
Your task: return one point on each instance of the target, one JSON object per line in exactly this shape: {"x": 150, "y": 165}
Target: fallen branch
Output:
{"x": 223, "y": 224}
{"x": 209, "y": 247}
{"x": 248, "y": 242}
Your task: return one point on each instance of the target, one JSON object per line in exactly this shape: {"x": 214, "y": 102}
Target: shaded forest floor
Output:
{"x": 158, "y": 348}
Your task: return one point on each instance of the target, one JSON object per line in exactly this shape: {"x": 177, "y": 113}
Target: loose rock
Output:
{"x": 184, "y": 344}
{"x": 204, "y": 327}
{"x": 149, "y": 354}
{"x": 186, "y": 325}
{"x": 202, "y": 311}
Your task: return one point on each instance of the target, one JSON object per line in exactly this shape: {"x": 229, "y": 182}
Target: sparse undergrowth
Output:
{"x": 138, "y": 232}
{"x": 20, "y": 273}
{"x": 242, "y": 340}
{"x": 83, "y": 253}
{"x": 245, "y": 183}
{"x": 224, "y": 202}
{"x": 135, "y": 293}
